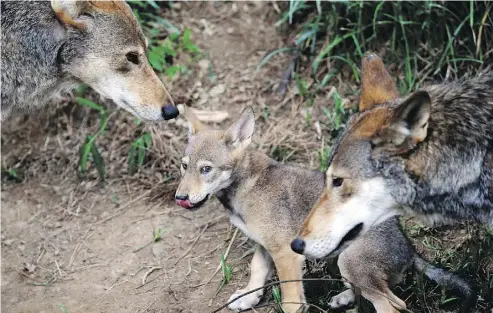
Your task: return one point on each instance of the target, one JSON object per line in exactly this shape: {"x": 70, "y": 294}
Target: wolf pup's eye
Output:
{"x": 133, "y": 57}
{"x": 205, "y": 169}
{"x": 184, "y": 166}
{"x": 337, "y": 181}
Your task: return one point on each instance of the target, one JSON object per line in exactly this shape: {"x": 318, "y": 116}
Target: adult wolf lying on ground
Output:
{"x": 268, "y": 201}
{"x": 429, "y": 154}
{"x": 49, "y": 48}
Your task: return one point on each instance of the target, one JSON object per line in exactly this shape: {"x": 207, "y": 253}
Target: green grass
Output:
{"x": 89, "y": 151}
{"x": 157, "y": 235}
{"x": 138, "y": 151}
{"x": 167, "y": 43}
{"x": 227, "y": 274}
{"x": 470, "y": 257}
{"x": 12, "y": 174}
{"x": 276, "y": 295}
{"x": 420, "y": 41}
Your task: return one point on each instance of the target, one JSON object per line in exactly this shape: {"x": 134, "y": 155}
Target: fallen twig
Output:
{"x": 121, "y": 209}
{"x": 192, "y": 245}
{"x": 152, "y": 269}
{"x": 37, "y": 282}
{"x": 219, "y": 266}
{"x": 150, "y": 281}
{"x": 147, "y": 307}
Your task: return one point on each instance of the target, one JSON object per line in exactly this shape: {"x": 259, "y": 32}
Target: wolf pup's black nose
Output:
{"x": 181, "y": 197}
{"x": 169, "y": 112}
{"x": 298, "y": 245}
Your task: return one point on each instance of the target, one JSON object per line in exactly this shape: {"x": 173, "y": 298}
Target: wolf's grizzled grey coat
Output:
{"x": 49, "y": 48}
{"x": 449, "y": 175}
{"x": 429, "y": 154}
{"x": 268, "y": 201}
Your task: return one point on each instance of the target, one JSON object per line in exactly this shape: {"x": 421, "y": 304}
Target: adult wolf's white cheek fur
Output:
{"x": 117, "y": 89}
{"x": 113, "y": 85}
{"x": 371, "y": 205}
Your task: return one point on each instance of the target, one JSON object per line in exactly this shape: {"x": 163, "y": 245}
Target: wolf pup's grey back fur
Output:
{"x": 49, "y": 48}
{"x": 268, "y": 201}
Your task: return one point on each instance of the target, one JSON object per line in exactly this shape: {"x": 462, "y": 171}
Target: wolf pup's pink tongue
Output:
{"x": 184, "y": 203}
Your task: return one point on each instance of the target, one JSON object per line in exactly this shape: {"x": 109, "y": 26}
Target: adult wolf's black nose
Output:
{"x": 298, "y": 245}
{"x": 169, "y": 112}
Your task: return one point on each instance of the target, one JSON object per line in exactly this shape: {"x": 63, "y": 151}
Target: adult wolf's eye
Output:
{"x": 184, "y": 165}
{"x": 337, "y": 181}
{"x": 132, "y": 57}
{"x": 205, "y": 169}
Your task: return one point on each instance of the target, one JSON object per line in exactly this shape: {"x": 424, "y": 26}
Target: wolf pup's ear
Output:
{"x": 377, "y": 86}
{"x": 67, "y": 11}
{"x": 194, "y": 124}
{"x": 408, "y": 125}
{"x": 240, "y": 133}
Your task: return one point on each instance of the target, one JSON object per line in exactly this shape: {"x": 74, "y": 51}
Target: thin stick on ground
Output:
{"x": 150, "y": 281}
{"x": 193, "y": 244}
{"x": 225, "y": 257}
{"x": 152, "y": 269}
{"x": 212, "y": 221}
{"x": 37, "y": 282}
{"x": 58, "y": 268}
{"x": 121, "y": 209}
{"x": 119, "y": 212}
{"x": 147, "y": 307}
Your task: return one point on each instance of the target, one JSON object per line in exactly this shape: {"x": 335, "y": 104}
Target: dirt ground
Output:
{"x": 70, "y": 245}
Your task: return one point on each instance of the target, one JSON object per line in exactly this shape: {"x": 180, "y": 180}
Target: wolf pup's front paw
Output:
{"x": 342, "y": 300}
{"x": 246, "y": 301}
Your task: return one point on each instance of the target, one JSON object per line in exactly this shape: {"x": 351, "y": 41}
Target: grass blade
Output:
{"x": 84, "y": 154}
{"x": 90, "y": 104}
{"x": 98, "y": 161}
{"x": 270, "y": 55}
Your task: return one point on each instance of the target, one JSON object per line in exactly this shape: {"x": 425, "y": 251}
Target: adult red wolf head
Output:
{"x": 106, "y": 49}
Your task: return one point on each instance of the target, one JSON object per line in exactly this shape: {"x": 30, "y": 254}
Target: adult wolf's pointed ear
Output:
{"x": 408, "y": 125}
{"x": 411, "y": 117}
{"x": 67, "y": 11}
{"x": 239, "y": 134}
{"x": 376, "y": 84}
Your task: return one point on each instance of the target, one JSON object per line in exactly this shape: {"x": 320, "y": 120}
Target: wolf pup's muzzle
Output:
{"x": 184, "y": 202}
{"x": 169, "y": 112}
